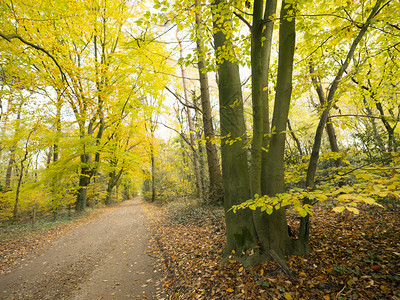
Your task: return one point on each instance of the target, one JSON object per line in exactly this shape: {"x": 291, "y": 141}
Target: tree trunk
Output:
{"x": 391, "y": 145}
{"x": 84, "y": 181}
{"x": 214, "y": 169}
{"x": 294, "y": 137}
{"x": 330, "y": 130}
{"x": 240, "y": 230}
{"x": 113, "y": 179}
{"x": 58, "y": 130}
{"x": 275, "y": 236}
{"x": 192, "y": 129}
{"x": 377, "y": 136}
{"x": 109, "y": 189}
{"x": 11, "y": 161}
{"x": 259, "y": 68}
{"x": 153, "y": 168}
{"x": 21, "y": 174}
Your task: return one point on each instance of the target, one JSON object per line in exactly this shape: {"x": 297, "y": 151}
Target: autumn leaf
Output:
{"x": 288, "y": 296}
{"x": 338, "y": 209}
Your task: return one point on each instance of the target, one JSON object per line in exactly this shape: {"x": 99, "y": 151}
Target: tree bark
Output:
{"x": 330, "y": 130}
{"x": 214, "y": 169}
{"x": 294, "y": 137}
{"x": 84, "y": 181}
{"x": 153, "y": 166}
{"x": 113, "y": 179}
{"x": 192, "y": 129}
{"x": 11, "y": 161}
{"x": 21, "y": 174}
{"x": 275, "y": 236}
{"x": 240, "y": 231}
{"x": 270, "y": 10}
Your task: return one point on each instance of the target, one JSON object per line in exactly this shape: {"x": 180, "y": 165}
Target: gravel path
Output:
{"x": 104, "y": 259}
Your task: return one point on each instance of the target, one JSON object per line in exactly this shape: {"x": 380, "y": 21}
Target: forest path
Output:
{"x": 106, "y": 258}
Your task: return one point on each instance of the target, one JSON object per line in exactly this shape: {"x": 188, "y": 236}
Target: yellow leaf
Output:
{"x": 353, "y": 210}
{"x": 366, "y": 176}
{"x": 240, "y": 269}
{"x": 262, "y": 271}
{"x": 338, "y": 209}
{"x": 288, "y": 296}
{"x": 302, "y": 274}
{"x": 265, "y": 88}
{"x": 326, "y": 297}
{"x": 230, "y": 290}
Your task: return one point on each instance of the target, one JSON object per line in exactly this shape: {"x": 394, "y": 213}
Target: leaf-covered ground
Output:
{"x": 353, "y": 257}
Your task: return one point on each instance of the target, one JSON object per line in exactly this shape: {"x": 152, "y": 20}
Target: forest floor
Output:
{"x": 108, "y": 255}
{"x": 101, "y": 256}
{"x": 353, "y": 257}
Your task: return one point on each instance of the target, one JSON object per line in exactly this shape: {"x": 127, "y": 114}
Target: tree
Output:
{"x": 103, "y": 67}
{"x": 312, "y": 167}
{"x": 214, "y": 171}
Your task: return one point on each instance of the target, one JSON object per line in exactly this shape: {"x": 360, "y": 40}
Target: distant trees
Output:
{"x": 86, "y": 70}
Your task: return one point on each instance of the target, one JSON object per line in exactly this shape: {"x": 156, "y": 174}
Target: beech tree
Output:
{"x": 92, "y": 70}
{"x": 267, "y": 232}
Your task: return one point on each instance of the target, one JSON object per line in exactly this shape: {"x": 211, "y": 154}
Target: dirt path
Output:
{"x": 103, "y": 259}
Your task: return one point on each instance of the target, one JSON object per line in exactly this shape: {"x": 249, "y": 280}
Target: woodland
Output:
{"x": 262, "y": 134}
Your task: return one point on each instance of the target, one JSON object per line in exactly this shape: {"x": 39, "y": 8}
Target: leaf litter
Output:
{"x": 353, "y": 257}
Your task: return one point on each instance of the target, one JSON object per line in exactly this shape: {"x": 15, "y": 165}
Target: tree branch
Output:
{"x": 180, "y": 101}
{"x": 10, "y": 37}
{"x": 243, "y": 19}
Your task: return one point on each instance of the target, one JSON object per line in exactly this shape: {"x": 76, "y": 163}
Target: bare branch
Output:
{"x": 180, "y": 101}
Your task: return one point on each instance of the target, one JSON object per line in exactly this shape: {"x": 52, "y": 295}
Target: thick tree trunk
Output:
{"x": 240, "y": 230}
{"x": 214, "y": 169}
{"x": 275, "y": 236}
{"x": 259, "y": 68}
{"x": 271, "y": 229}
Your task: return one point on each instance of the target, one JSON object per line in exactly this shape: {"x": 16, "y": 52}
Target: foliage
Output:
{"x": 172, "y": 178}
{"x": 349, "y": 186}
